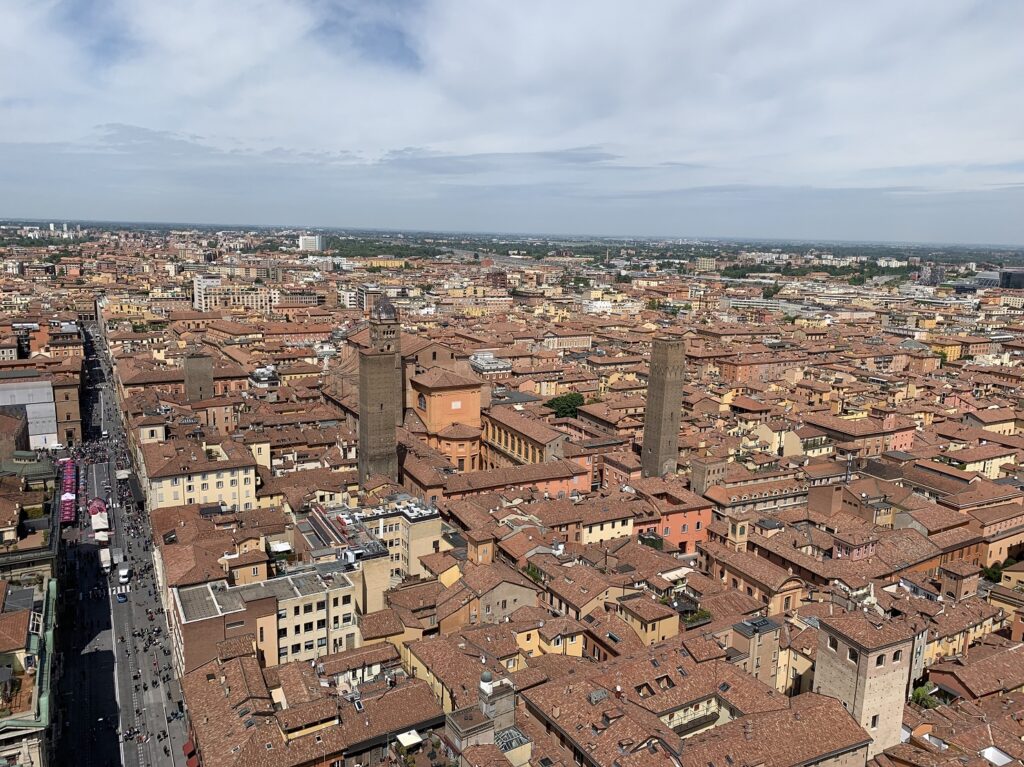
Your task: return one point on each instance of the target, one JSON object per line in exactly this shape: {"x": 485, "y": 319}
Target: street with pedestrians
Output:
{"x": 120, "y": 700}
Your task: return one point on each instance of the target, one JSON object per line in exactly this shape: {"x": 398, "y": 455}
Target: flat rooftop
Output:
{"x": 209, "y": 600}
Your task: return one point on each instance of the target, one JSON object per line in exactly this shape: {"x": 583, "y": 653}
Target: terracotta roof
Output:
{"x": 811, "y": 728}
{"x": 531, "y": 428}
{"x": 14, "y": 630}
{"x": 986, "y": 671}
{"x": 459, "y": 431}
{"x": 381, "y": 653}
{"x": 380, "y": 624}
{"x": 751, "y": 566}
{"x": 868, "y": 632}
{"x": 237, "y": 724}
{"x": 527, "y": 474}
{"x": 993, "y": 415}
{"x": 439, "y": 378}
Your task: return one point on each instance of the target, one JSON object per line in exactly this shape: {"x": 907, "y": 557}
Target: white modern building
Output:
{"x": 311, "y": 242}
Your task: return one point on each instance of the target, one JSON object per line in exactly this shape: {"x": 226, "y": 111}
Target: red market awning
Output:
{"x": 188, "y": 747}
{"x": 193, "y": 761}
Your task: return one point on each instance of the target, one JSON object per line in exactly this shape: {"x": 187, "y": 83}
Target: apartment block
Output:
{"x": 296, "y": 617}
{"x": 186, "y": 472}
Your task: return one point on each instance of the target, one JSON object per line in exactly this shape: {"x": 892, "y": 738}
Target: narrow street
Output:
{"x": 118, "y": 695}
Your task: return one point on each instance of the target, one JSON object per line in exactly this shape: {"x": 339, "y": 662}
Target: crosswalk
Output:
{"x": 123, "y": 589}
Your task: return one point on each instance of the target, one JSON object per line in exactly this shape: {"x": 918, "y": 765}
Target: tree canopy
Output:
{"x": 565, "y": 405}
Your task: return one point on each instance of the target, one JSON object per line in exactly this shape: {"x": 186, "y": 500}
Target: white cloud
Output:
{"x": 602, "y": 100}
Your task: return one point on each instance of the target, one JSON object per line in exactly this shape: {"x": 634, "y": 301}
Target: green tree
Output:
{"x": 993, "y": 573}
{"x": 922, "y": 698}
{"x": 565, "y": 405}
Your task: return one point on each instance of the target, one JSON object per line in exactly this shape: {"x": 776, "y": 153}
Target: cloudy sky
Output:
{"x": 864, "y": 121}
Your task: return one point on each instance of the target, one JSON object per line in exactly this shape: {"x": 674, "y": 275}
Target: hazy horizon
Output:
{"x": 367, "y": 232}
{"x": 879, "y": 122}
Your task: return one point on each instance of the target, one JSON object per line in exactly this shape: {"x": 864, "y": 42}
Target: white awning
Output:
{"x": 279, "y": 547}
{"x": 410, "y": 738}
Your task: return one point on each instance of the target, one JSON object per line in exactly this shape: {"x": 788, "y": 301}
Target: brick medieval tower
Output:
{"x": 380, "y": 395}
{"x": 664, "y": 403}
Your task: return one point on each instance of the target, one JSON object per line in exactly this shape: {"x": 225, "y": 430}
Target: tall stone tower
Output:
{"x": 664, "y": 401}
{"x": 705, "y": 473}
{"x": 198, "y": 377}
{"x": 867, "y": 663}
{"x": 380, "y": 396}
